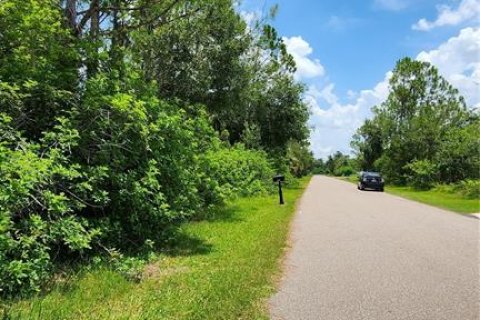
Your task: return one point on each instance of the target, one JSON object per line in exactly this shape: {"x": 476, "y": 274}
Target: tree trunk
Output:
{"x": 92, "y": 66}
{"x": 71, "y": 14}
{"x": 116, "y": 55}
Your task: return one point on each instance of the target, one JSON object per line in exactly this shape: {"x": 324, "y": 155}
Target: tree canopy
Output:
{"x": 423, "y": 133}
{"x": 120, "y": 118}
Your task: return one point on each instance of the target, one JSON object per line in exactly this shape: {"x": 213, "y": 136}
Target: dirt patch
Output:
{"x": 158, "y": 270}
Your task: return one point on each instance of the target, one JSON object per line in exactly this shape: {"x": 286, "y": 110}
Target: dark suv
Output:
{"x": 370, "y": 180}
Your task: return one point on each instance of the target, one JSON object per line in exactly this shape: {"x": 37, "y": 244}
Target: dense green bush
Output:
{"x": 421, "y": 174}
{"x": 468, "y": 188}
{"x": 300, "y": 158}
{"x": 40, "y": 196}
{"x": 137, "y": 184}
{"x": 338, "y": 164}
{"x": 153, "y": 151}
{"x": 239, "y": 171}
{"x": 122, "y": 179}
{"x": 108, "y": 144}
{"x": 344, "y": 171}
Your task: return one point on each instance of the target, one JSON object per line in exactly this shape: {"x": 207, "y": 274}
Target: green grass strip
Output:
{"x": 444, "y": 200}
{"x": 226, "y": 268}
{"x": 437, "y": 198}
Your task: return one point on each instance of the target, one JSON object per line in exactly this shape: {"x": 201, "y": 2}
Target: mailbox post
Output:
{"x": 279, "y": 178}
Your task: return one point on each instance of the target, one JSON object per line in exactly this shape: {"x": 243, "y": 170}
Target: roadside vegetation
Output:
{"x": 223, "y": 267}
{"x": 457, "y": 198}
{"x": 120, "y": 120}
{"x": 423, "y": 139}
{"x": 439, "y": 197}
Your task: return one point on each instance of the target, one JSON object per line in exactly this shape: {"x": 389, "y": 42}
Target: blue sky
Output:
{"x": 345, "y": 49}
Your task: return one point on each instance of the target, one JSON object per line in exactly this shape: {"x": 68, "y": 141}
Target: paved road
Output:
{"x": 370, "y": 255}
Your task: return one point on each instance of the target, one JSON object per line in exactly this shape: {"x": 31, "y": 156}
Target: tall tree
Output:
{"x": 413, "y": 123}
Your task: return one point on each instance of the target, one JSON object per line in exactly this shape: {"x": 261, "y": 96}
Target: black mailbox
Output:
{"x": 279, "y": 178}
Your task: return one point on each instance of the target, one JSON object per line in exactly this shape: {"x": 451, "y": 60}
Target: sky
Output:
{"x": 345, "y": 51}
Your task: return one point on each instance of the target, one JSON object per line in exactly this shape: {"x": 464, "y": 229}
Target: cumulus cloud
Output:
{"x": 458, "y": 60}
{"x": 250, "y": 17}
{"x": 467, "y": 10}
{"x": 301, "y": 51}
{"x": 334, "y": 123}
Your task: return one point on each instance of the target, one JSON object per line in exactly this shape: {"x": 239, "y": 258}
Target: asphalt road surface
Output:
{"x": 370, "y": 255}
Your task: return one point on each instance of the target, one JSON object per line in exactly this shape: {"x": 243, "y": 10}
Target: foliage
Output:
{"x": 339, "y": 164}
{"x": 458, "y": 153}
{"x": 344, "y": 171}
{"x": 237, "y": 171}
{"x": 469, "y": 189}
{"x": 319, "y": 167}
{"x": 129, "y": 267}
{"x": 367, "y": 142}
{"x": 423, "y": 133}
{"x": 223, "y": 267}
{"x": 421, "y": 174}
{"x": 120, "y": 119}
{"x": 439, "y": 197}
{"x": 38, "y": 65}
{"x": 40, "y": 193}
{"x": 300, "y": 159}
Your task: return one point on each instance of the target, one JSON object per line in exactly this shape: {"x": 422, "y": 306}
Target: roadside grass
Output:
{"x": 445, "y": 200}
{"x": 353, "y": 178}
{"x": 222, "y": 268}
{"x": 434, "y": 197}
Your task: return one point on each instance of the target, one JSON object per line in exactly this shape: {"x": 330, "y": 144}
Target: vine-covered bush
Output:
{"x": 468, "y": 188}
{"x": 421, "y": 174}
{"x": 108, "y": 138}
{"x": 239, "y": 171}
{"x": 141, "y": 167}
{"x": 40, "y": 197}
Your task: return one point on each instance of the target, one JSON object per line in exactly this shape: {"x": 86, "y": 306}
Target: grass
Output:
{"x": 437, "y": 198}
{"x": 441, "y": 199}
{"x": 224, "y": 268}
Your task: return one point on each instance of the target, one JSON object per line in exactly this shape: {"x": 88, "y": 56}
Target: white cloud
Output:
{"x": 328, "y": 95}
{"x": 458, "y": 60}
{"x": 335, "y": 123}
{"x": 393, "y": 5}
{"x": 467, "y": 10}
{"x": 250, "y": 17}
{"x": 301, "y": 50}
{"x": 351, "y": 94}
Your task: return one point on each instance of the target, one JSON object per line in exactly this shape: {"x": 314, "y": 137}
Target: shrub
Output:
{"x": 153, "y": 151}
{"x": 238, "y": 171}
{"x": 344, "y": 171}
{"x": 121, "y": 179}
{"x": 421, "y": 174}
{"x": 469, "y": 188}
{"x": 40, "y": 194}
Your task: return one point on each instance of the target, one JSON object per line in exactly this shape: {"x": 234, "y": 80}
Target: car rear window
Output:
{"x": 372, "y": 175}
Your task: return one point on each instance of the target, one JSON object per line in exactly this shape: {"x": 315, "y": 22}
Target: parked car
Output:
{"x": 370, "y": 180}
